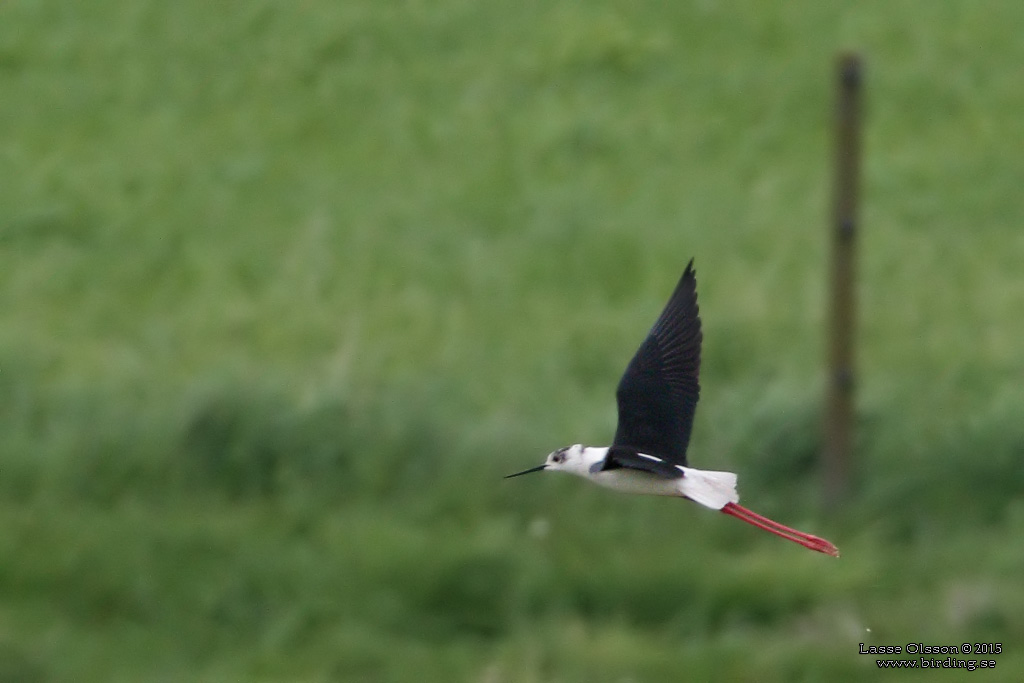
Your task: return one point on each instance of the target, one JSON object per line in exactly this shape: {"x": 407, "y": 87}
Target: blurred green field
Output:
{"x": 285, "y": 288}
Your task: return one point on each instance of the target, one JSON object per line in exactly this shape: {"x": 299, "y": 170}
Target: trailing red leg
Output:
{"x": 781, "y": 530}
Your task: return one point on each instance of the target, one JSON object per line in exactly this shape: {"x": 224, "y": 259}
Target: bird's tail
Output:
{"x": 711, "y": 489}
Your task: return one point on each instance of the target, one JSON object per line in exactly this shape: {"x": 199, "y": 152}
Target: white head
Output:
{"x": 576, "y": 459}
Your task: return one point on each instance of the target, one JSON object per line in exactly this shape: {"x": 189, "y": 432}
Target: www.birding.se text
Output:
{"x": 930, "y": 663}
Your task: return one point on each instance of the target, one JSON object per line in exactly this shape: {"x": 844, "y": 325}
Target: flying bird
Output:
{"x": 657, "y": 398}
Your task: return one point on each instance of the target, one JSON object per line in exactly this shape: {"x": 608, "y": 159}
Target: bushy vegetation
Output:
{"x": 286, "y": 288}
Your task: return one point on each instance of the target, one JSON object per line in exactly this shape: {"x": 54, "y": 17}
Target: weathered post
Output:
{"x": 840, "y": 383}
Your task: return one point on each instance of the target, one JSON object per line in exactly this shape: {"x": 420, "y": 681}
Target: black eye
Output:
{"x": 559, "y": 456}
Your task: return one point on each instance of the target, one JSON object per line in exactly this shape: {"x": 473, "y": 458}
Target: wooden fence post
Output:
{"x": 838, "y": 438}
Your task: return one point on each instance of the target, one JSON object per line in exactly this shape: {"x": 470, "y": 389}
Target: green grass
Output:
{"x": 284, "y": 290}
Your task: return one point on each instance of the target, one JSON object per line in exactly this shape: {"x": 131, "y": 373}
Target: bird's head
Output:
{"x": 569, "y": 459}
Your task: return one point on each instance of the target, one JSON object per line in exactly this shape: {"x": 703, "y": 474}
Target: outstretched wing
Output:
{"x": 658, "y": 393}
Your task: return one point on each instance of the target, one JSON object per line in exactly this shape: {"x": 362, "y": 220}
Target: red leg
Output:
{"x": 781, "y": 530}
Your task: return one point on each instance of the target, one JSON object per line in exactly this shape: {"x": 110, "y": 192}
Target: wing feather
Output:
{"x": 657, "y": 395}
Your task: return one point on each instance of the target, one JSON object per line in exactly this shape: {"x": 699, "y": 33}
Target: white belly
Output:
{"x": 711, "y": 489}
{"x": 636, "y": 481}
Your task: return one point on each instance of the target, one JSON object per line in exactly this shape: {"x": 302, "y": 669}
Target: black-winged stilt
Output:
{"x": 657, "y": 398}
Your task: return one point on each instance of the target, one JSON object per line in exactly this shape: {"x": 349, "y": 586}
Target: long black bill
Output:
{"x": 538, "y": 468}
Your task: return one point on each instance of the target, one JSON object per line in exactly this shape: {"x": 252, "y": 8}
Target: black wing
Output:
{"x": 658, "y": 393}
{"x": 620, "y": 457}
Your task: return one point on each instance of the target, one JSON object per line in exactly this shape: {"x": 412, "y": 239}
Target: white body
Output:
{"x": 711, "y": 489}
